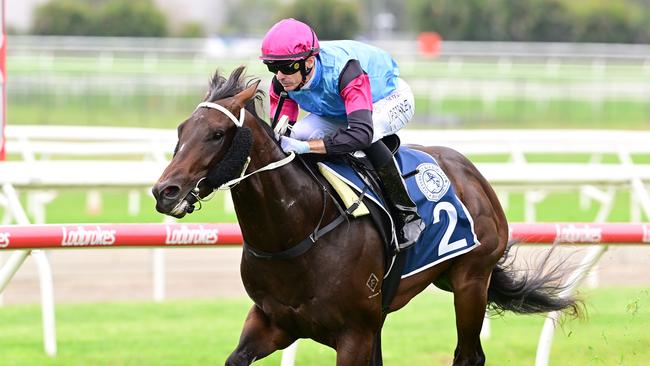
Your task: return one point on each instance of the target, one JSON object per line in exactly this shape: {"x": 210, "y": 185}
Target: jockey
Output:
{"x": 354, "y": 97}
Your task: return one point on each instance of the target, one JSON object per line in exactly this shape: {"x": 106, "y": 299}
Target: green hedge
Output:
{"x": 330, "y": 19}
{"x": 622, "y": 21}
{"x": 100, "y": 18}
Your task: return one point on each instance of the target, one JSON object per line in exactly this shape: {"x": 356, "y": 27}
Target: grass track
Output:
{"x": 205, "y": 332}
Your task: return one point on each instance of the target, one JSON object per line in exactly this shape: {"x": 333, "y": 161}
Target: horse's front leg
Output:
{"x": 258, "y": 339}
{"x": 354, "y": 348}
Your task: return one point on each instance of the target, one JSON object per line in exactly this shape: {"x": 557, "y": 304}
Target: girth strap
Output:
{"x": 308, "y": 242}
{"x": 299, "y": 249}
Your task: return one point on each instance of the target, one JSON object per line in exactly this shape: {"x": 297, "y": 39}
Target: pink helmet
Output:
{"x": 289, "y": 39}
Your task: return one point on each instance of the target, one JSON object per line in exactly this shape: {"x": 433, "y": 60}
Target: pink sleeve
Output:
{"x": 289, "y": 107}
{"x": 357, "y": 95}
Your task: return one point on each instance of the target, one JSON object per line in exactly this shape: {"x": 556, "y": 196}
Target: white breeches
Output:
{"x": 389, "y": 115}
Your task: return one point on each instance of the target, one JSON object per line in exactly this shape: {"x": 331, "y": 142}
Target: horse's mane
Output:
{"x": 221, "y": 88}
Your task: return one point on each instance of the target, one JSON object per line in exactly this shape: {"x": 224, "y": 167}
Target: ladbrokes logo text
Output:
{"x": 585, "y": 234}
{"x": 83, "y": 237}
{"x": 4, "y": 240}
{"x": 185, "y": 235}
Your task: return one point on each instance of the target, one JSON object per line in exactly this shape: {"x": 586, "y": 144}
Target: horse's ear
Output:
{"x": 247, "y": 94}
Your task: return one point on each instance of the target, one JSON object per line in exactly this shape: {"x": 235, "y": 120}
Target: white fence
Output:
{"x": 249, "y": 47}
{"x": 137, "y": 157}
{"x": 34, "y": 172}
{"x": 51, "y": 159}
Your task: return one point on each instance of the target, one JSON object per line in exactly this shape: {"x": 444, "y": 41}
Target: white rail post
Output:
{"x": 638, "y": 187}
{"x": 486, "y": 328}
{"x": 5, "y": 220}
{"x": 531, "y": 199}
{"x": 134, "y": 202}
{"x": 546, "y": 336}
{"x": 44, "y": 272}
{"x": 17, "y": 258}
{"x": 289, "y": 355}
{"x": 47, "y": 301}
{"x": 93, "y": 202}
{"x": 158, "y": 268}
{"x": 11, "y": 266}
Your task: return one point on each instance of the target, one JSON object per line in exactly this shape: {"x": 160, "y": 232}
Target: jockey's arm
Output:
{"x": 354, "y": 87}
{"x": 317, "y": 147}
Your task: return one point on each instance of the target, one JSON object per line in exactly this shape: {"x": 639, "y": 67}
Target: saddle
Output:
{"x": 356, "y": 205}
{"x": 370, "y": 201}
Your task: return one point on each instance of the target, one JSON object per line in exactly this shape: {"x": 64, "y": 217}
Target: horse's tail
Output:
{"x": 525, "y": 291}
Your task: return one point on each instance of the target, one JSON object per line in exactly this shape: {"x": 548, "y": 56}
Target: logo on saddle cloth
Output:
{"x": 432, "y": 181}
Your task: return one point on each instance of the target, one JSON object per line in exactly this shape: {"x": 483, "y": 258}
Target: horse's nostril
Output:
{"x": 171, "y": 191}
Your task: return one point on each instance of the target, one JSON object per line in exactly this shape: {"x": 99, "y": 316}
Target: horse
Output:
{"x": 322, "y": 292}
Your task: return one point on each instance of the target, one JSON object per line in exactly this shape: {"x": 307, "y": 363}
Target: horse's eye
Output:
{"x": 217, "y": 135}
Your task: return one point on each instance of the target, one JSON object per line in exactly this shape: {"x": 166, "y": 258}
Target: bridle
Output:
{"x": 238, "y": 122}
{"x": 305, "y": 244}
{"x": 194, "y": 193}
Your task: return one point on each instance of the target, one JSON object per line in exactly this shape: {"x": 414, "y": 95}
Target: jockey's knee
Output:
{"x": 378, "y": 154}
{"x": 305, "y": 132}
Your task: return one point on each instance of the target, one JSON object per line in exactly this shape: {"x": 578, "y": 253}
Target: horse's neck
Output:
{"x": 277, "y": 208}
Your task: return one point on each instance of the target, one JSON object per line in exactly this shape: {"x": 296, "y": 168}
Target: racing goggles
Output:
{"x": 287, "y": 67}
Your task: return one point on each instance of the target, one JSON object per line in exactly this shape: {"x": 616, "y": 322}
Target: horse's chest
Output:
{"x": 302, "y": 319}
{"x": 315, "y": 301}
{"x": 299, "y": 309}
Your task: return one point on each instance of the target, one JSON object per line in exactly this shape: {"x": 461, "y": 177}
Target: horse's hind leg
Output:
{"x": 470, "y": 300}
{"x": 258, "y": 339}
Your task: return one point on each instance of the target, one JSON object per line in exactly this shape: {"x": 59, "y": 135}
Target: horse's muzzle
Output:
{"x": 169, "y": 200}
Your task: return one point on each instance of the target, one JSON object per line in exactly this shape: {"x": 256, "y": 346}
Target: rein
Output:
{"x": 274, "y": 165}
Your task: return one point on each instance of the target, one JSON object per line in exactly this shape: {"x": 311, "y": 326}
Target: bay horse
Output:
{"x": 322, "y": 293}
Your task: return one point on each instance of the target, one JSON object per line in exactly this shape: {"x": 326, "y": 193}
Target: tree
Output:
{"x": 191, "y": 30}
{"x": 100, "y": 18}
{"x": 131, "y": 18}
{"x": 248, "y": 17}
{"x": 330, "y": 19}
{"x": 63, "y": 17}
{"x": 534, "y": 20}
{"x": 606, "y": 22}
{"x": 554, "y": 23}
{"x": 450, "y": 18}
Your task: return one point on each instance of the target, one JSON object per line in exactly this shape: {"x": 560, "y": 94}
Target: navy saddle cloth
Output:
{"x": 449, "y": 228}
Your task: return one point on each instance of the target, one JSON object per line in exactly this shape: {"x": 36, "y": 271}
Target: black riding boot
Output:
{"x": 408, "y": 224}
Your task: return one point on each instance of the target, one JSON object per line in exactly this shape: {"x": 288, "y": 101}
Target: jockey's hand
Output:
{"x": 290, "y": 144}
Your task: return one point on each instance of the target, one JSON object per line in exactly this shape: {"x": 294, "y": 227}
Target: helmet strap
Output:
{"x": 304, "y": 71}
